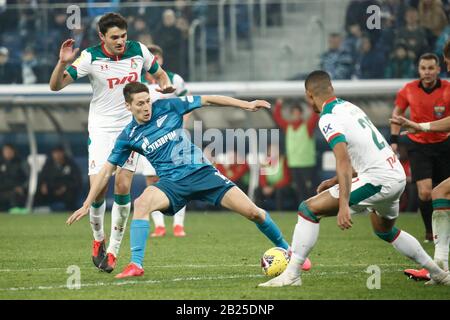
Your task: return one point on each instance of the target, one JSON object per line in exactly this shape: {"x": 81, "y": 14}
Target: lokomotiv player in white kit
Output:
{"x": 109, "y": 65}
{"x": 378, "y": 181}
{"x": 148, "y": 170}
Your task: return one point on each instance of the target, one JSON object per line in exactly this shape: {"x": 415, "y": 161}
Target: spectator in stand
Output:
{"x": 58, "y": 27}
{"x": 146, "y": 39}
{"x": 9, "y": 72}
{"x": 385, "y": 43}
{"x": 300, "y": 147}
{"x": 31, "y": 69}
{"x": 236, "y": 169}
{"x": 170, "y": 38}
{"x": 357, "y": 14}
{"x": 13, "y": 177}
{"x": 183, "y": 10}
{"x": 412, "y": 35}
{"x": 432, "y": 17}
{"x": 400, "y": 65}
{"x": 352, "y": 43}
{"x": 274, "y": 191}
{"x": 395, "y": 9}
{"x": 336, "y": 62}
{"x": 370, "y": 62}
{"x": 139, "y": 26}
{"x": 29, "y": 20}
{"x": 95, "y": 11}
{"x": 59, "y": 181}
{"x": 439, "y": 47}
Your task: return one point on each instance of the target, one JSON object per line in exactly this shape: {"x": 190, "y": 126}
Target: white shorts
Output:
{"x": 100, "y": 147}
{"x": 368, "y": 194}
{"x": 145, "y": 168}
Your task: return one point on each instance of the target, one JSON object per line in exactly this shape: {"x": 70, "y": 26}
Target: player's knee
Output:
{"x": 122, "y": 187}
{"x": 388, "y": 236}
{"x": 308, "y": 210}
{"x": 438, "y": 192}
{"x": 425, "y": 194}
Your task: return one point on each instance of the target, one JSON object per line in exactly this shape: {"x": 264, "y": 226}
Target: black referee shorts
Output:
{"x": 429, "y": 161}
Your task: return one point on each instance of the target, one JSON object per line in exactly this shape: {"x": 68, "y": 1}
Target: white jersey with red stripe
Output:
{"x": 108, "y": 75}
{"x": 370, "y": 154}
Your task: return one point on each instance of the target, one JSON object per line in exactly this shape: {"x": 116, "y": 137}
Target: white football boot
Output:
{"x": 443, "y": 280}
{"x": 282, "y": 280}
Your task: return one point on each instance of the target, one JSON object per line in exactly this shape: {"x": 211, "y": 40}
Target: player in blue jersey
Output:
{"x": 156, "y": 132}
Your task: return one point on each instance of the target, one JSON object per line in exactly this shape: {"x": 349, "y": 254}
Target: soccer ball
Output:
{"x": 274, "y": 261}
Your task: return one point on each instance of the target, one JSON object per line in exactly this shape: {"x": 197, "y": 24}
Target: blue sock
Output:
{"x": 139, "y": 230}
{"x": 271, "y": 231}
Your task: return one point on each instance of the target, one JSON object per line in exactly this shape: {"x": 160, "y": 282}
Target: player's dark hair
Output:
{"x": 447, "y": 50}
{"x": 318, "y": 81}
{"x": 132, "y": 88}
{"x": 429, "y": 56}
{"x": 111, "y": 20}
{"x": 154, "y": 49}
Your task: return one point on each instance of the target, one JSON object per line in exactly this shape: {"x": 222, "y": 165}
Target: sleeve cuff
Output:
{"x": 154, "y": 67}
{"x": 72, "y": 71}
{"x": 336, "y": 139}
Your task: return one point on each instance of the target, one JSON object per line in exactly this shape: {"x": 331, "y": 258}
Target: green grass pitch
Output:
{"x": 219, "y": 259}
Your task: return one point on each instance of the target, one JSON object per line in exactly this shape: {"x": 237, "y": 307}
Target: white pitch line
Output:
{"x": 200, "y": 266}
{"x": 129, "y": 282}
{"x": 134, "y": 282}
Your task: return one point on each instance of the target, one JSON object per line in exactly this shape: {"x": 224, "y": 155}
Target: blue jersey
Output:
{"x": 162, "y": 140}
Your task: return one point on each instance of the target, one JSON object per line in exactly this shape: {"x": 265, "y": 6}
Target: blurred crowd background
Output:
{"x": 31, "y": 32}
{"x": 276, "y": 40}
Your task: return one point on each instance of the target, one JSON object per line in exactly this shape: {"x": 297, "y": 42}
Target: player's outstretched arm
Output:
{"x": 395, "y": 128}
{"x": 60, "y": 78}
{"x": 442, "y": 125}
{"x": 161, "y": 77}
{"x": 232, "y": 102}
{"x": 344, "y": 175}
{"x": 100, "y": 181}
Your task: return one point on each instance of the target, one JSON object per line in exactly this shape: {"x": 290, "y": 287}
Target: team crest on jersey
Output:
{"x": 439, "y": 111}
{"x": 160, "y": 121}
{"x": 134, "y": 64}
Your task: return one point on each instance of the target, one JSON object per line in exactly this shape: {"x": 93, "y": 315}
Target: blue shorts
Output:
{"x": 206, "y": 184}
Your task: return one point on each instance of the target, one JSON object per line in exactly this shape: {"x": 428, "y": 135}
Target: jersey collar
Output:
{"x": 430, "y": 90}
{"x": 328, "y": 105}
{"x": 113, "y": 57}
